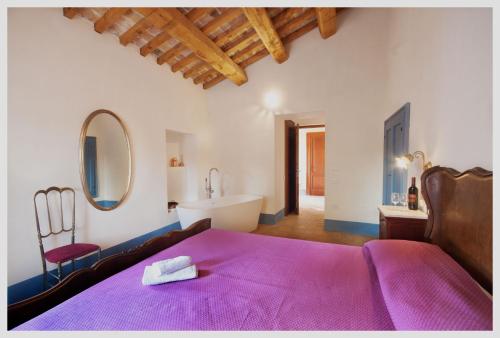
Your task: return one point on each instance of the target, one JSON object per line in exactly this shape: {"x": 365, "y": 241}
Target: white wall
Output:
{"x": 60, "y": 71}
{"x": 340, "y": 77}
{"x": 441, "y": 62}
{"x": 303, "y": 154}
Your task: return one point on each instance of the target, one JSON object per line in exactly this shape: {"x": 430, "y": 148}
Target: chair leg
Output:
{"x": 99, "y": 254}
{"x": 59, "y": 271}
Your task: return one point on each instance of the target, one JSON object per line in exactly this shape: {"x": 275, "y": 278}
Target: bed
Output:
{"x": 256, "y": 282}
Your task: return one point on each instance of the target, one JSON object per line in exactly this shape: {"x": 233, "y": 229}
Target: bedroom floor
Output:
{"x": 309, "y": 225}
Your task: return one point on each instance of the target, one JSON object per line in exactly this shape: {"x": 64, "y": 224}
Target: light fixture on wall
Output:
{"x": 403, "y": 161}
{"x": 272, "y": 99}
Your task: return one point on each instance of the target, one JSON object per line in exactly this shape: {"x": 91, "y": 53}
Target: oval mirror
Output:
{"x": 105, "y": 160}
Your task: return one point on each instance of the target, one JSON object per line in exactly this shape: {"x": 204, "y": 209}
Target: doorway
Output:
{"x": 304, "y": 168}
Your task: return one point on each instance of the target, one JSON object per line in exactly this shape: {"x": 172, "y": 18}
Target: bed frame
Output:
{"x": 82, "y": 279}
{"x": 461, "y": 218}
{"x": 460, "y": 222}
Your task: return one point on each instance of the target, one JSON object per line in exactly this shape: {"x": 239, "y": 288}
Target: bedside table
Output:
{"x": 398, "y": 222}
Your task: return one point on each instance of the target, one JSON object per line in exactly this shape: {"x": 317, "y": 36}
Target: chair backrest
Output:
{"x": 54, "y": 229}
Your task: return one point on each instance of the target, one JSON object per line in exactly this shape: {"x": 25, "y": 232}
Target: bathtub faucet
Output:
{"x": 209, "y": 187}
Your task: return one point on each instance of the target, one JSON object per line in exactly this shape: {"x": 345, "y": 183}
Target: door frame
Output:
{"x": 287, "y": 188}
{"x": 291, "y": 202}
{"x": 401, "y": 115}
{"x": 313, "y": 126}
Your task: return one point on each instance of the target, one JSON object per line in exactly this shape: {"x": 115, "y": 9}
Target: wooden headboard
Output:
{"x": 461, "y": 217}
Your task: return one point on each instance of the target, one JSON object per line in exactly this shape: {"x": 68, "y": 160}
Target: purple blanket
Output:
{"x": 256, "y": 282}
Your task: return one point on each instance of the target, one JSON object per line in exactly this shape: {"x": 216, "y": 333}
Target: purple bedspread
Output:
{"x": 255, "y": 282}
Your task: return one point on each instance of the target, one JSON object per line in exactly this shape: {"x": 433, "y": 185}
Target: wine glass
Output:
{"x": 403, "y": 199}
{"x": 395, "y": 198}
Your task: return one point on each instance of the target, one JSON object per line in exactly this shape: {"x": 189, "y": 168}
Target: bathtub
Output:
{"x": 236, "y": 212}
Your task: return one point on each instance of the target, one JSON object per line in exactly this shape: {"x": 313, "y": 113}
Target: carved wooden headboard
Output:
{"x": 461, "y": 217}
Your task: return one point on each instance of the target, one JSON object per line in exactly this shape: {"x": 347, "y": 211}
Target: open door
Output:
{"x": 315, "y": 183}
{"x": 291, "y": 167}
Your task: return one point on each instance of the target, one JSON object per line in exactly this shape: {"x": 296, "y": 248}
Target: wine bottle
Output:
{"x": 413, "y": 196}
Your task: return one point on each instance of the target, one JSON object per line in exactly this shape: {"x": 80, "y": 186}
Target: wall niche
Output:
{"x": 182, "y": 168}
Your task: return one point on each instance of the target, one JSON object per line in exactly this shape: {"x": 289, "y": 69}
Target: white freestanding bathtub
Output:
{"x": 236, "y": 212}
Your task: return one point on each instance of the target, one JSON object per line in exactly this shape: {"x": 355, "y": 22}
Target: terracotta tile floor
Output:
{"x": 309, "y": 225}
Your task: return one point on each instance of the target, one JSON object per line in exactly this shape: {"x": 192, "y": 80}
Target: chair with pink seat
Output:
{"x": 65, "y": 253}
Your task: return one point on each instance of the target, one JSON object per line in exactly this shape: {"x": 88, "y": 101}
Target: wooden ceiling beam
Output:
{"x": 232, "y": 34}
{"x": 219, "y": 41}
{"x": 211, "y": 26}
{"x": 241, "y": 43}
{"x": 286, "y": 40}
{"x": 327, "y": 21}
{"x": 257, "y": 51}
{"x": 195, "y": 70}
{"x": 213, "y": 82}
{"x": 184, "y": 62}
{"x": 193, "y": 38}
{"x": 193, "y": 15}
{"x": 155, "y": 42}
{"x": 297, "y": 22}
{"x": 199, "y": 12}
{"x": 247, "y": 42}
{"x": 251, "y": 49}
{"x": 205, "y": 76}
{"x": 286, "y": 21}
{"x": 70, "y": 12}
{"x": 254, "y": 58}
{"x": 169, "y": 54}
{"x": 287, "y": 15}
{"x": 144, "y": 11}
{"x": 152, "y": 20}
{"x": 298, "y": 33}
{"x": 264, "y": 28}
{"x": 109, "y": 18}
{"x": 249, "y": 38}
{"x": 227, "y": 16}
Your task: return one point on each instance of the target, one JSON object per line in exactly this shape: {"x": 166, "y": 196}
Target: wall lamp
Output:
{"x": 403, "y": 161}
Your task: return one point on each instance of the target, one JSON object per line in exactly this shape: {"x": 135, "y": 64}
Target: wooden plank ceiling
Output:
{"x": 209, "y": 44}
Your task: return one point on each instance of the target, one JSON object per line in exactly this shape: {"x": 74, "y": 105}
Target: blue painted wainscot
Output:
{"x": 34, "y": 285}
{"x": 358, "y": 228}
{"x": 271, "y": 219}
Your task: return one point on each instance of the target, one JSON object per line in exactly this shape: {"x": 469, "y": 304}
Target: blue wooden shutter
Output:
{"x": 396, "y": 135}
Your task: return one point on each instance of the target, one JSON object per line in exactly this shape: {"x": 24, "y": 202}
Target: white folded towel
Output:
{"x": 171, "y": 265}
{"x": 149, "y": 278}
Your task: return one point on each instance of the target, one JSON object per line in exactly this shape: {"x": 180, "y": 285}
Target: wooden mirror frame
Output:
{"x": 83, "y": 177}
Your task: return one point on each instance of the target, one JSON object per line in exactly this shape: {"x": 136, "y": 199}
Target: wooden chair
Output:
{"x": 64, "y": 253}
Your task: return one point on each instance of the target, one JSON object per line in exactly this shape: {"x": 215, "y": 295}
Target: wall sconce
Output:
{"x": 272, "y": 99}
{"x": 403, "y": 161}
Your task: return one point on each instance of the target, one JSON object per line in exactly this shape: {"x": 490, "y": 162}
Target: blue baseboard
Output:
{"x": 34, "y": 285}
{"x": 358, "y": 228}
{"x": 270, "y": 219}
{"x": 279, "y": 216}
